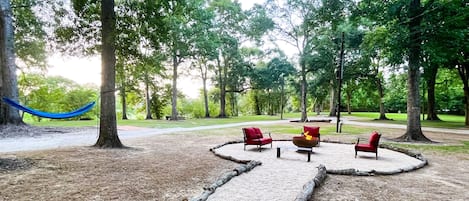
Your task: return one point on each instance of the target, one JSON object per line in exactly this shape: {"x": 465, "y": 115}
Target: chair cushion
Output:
{"x": 259, "y": 141}
{"x": 311, "y": 130}
{"x": 258, "y": 132}
{"x": 365, "y": 147}
{"x": 250, "y": 133}
{"x": 374, "y": 138}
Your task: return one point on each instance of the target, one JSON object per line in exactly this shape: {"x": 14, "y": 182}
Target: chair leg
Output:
{"x": 376, "y": 155}
{"x": 355, "y": 153}
{"x": 244, "y": 147}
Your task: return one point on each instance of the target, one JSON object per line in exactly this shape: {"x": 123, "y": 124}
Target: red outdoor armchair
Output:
{"x": 371, "y": 146}
{"x": 254, "y": 136}
{"x": 312, "y": 131}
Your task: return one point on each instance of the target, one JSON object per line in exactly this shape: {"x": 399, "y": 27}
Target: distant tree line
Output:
{"x": 399, "y": 55}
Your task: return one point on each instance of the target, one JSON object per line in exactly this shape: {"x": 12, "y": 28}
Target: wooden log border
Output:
{"x": 308, "y": 188}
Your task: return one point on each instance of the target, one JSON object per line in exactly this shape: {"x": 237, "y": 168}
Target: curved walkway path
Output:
{"x": 89, "y": 136}
{"x": 283, "y": 178}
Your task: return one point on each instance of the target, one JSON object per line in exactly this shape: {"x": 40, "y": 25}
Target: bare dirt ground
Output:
{"x": 178, "y": 166}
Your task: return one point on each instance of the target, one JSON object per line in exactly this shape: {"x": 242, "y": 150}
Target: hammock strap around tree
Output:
{"x": 66, "y": 115}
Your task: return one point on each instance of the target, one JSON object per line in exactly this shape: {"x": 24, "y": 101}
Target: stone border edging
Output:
{"x": 247, "y": 165}
{"x": 355, "y": 172}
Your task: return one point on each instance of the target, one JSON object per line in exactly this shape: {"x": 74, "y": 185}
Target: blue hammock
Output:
{"x": 66, "y": 115}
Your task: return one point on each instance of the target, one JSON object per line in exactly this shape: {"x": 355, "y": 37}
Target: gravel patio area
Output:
{"x": 283, "y": 178}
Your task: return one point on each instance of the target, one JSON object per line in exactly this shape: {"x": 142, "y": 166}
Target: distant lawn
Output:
{"x": 157, "y": 123}
{"x": 463, "y": 148}
{"x": 447, "y": 121}
{"x": 326, "y": 129}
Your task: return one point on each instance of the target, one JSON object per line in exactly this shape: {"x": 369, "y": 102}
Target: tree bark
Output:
{"x": 203, "y": 72}
{"x": 304, "y": 114}
{"x": 282, "y": 94}
{"x": 147, "y": 101}
{"x": 466, "y": 103}
{"x": 463, "y": 70}
{"x": 222, "y": 81}
{"x": 382, "y": 111}
{"x": 318, "y": 107}
{"x": 431, "y": 81}
{"x": 108, "y": 137}
{"x": 8, "y": 79}
{"x": 379, "y": 83}
{"x": 270, "y": 103}
{"x": 348, "y": 95}
{"x": 233, "y": 101}
{"x": 414, "y": 128}
{"x": 332, "y": 103}
{"x": 174, "y": 112}
{"x": 124, "y": 101}
{"x": 257, "y": 103}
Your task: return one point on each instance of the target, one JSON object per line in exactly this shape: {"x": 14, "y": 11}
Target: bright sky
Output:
{"x": 88, "y": 69}
{"x": 247, "y": 4}
{"x": 81, "y": 70}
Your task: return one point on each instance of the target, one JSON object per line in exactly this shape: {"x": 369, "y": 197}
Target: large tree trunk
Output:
{"x": 108, "y": 137}
{"x": 8, "y": 79}
{"x": 382, "y": 111}
{"x": 207, "y": 110}
{"x": 124, "y": 101}
{"x": 379, "y": 83}
{"x": 174, "y": 112}
{"x": 466, "y": 103}
{"x": 147, "y": 101}
{"x": 222, "y": 82}
{"x": 414, "y": 129}
{"x": 348, "y": 96}
{"x": 257, "y": 103}
{"x": 234, "y": 104}
{"x": 318, "y": 107}
{"x": 332, "y": 103}
{"x": 203, "y": 72}
{"x": 304, "y": 114}
{"x": 270, "y": 103}
{"x": 464, "y": 74}
{"x": 282, "y": 94}
{"x": 431, "y": 81}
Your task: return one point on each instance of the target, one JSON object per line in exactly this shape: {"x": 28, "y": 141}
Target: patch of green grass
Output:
{"x": 297, "y": 115}
{"x": 158, "y": 123}
{"x": 280, "y": 130}
{"x": 326, "y": 129}
{"x": 356, "y": 130}
{"x": 447, "y": 121}
{"x": 463, "y": 148}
